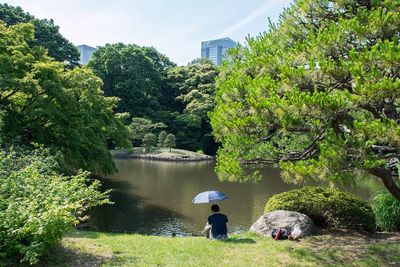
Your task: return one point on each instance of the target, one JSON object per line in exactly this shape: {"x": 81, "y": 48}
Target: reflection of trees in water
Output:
{"x": 131, "y": 214}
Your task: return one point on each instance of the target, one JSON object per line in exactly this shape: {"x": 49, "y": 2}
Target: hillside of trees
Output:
{"x": 154, "y": 91}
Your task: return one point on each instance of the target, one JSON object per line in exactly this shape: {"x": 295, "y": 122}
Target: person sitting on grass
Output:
{"x": 217, "y": 222}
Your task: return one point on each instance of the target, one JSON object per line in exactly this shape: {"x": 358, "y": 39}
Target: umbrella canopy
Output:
{"x": 208, "y": 197}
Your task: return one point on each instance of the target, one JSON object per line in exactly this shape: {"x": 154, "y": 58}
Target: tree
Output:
{"x": 149, "y": 141}
{"x": 194, "y": 87}
{"x": 161, "y": 138}
{"x": 170, "y": 141}
{"x": 64, "y": 110}
{"x": 132, "y": 73}
{"x": 318, "y": 94}
{"x": 139, "y": 127}
{"x": 47, "y": 34}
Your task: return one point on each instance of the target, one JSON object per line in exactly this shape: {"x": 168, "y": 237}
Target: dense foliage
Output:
{"x": 132, "y": 73}
{"x": 327, "y": 207}
{"x": 192, "y": 97}
{"x": 139, "y": 127}
{"x": 65, "y": 110}
{"x": 152, "y": 88}
{"x": 37, "y": 204}
{"x": 149, "y": 141}
{"x": 47, "y": 34}
{"x": 318, "y": 93}
{"x": 387, "y": 211}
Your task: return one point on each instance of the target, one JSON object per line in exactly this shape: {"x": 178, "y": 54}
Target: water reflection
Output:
{"x": 153, "y": 197}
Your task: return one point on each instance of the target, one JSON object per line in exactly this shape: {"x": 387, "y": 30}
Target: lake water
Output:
{"x": 155, "y": 197}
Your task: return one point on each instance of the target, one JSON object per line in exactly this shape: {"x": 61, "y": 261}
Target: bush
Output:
{"x": 327, "y": 207}
{"x": 387, "y": 211}
{"x": 37, "y": 205}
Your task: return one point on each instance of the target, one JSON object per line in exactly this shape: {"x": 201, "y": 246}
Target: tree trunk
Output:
{"x": 387, "y": 180}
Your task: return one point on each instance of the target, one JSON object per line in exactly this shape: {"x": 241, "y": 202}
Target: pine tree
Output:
{"x": 318, "y": 94}
{"x": 170, "y": 141}
{"x": 161, "y": 138}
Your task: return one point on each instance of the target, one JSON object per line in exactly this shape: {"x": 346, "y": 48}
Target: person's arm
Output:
{"x": 206, "y": 228}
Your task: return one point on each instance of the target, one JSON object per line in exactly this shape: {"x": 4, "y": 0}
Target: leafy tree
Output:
{"x": 46, "y": 34}
{"x": 318, "y": 94}
{"x": 149, "y": 141}
{"x": 170, "y": 141}
{"x": 132, "y": 73}
{"x": 194, "y": 87}
{"x": 161, "y": 138}
{"x": 139, "y": 127}
{"x": 65, "y": 110}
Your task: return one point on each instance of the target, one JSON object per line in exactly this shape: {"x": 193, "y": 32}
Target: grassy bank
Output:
{"x": 97, "y": 249}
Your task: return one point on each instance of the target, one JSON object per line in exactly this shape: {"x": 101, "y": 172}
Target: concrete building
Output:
{"x": 85, "y": 53}
{"x": 215, "y": 50}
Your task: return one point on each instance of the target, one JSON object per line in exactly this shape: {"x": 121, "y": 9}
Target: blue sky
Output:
{"x": 175, "y": 27}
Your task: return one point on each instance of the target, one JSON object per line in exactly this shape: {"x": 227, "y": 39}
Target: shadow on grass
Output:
{"x": 325, "y": 258}
{"x": 239, "y": 241}
{"x": 342, "y": 247}
{"x": 82, "y": 234}
{"x": 62, "y": 256}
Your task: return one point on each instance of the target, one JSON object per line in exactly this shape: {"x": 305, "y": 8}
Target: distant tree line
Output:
{"x": 157, "y": 94}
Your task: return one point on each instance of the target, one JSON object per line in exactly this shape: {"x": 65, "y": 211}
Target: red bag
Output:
{"x": 278, "y": 234}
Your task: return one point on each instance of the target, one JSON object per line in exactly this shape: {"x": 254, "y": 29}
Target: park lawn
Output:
{"x": 100, "y": 249}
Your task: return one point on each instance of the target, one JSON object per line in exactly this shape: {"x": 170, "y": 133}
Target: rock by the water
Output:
{"x": 283, "y": 219}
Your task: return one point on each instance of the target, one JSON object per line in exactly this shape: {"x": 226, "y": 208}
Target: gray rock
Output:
{"x": 283, "y": 219}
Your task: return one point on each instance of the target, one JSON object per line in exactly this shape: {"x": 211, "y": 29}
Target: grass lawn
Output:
{"x": 340, "y": 249}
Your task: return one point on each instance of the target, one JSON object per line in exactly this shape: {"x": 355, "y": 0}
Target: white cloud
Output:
{"x": 260, "y": 10}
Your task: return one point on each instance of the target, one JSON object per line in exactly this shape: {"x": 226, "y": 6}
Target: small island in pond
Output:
{"x": 164, "y": 154}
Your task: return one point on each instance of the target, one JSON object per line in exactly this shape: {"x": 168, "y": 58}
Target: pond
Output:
{"x": 155, "y": 197}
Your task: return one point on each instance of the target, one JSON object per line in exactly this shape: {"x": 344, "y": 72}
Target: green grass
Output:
{"x": 99, "y": 249}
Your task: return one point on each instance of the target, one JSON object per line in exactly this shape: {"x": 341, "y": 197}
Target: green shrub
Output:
{"x": 327, "y": 207}
{"x": 37, "y": 205}
{"x": 387, "y": 211}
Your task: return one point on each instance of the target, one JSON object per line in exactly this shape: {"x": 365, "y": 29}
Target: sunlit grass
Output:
{"x": 90, "y": 248}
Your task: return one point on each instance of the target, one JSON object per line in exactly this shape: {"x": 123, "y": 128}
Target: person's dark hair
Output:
{"x": 215, "y": 208}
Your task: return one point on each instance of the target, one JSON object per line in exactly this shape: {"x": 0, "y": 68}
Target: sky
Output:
{"x": 176, "y": 28}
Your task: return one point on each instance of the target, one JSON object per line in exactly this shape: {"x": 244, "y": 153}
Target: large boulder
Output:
{"x": 283, "y": 219}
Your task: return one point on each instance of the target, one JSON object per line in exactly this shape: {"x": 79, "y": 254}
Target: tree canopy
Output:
{"x": 170, "y": 141}
{"x": 65, "y": 110}
{"x": 47, "y": 34}
{"x": 193, "y": 88}
{"x": 318, "y": 94}
{"x": 139, "y": 127}
{"x": 132, "y": 73}
{"x": 153, "y": 88}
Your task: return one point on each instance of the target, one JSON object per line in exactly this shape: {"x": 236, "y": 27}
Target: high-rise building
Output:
{"x": 215, "y": 50}
{"x": 85, "y": 53}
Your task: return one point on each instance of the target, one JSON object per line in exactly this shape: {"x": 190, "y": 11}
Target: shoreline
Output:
{"x": 184, "y": 158}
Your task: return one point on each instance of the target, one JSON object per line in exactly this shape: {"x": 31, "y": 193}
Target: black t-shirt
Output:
{"x": 218, "y": 224}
